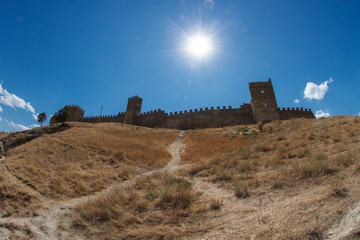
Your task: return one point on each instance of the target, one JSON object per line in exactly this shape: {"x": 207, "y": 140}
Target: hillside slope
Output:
{"x": 295, "y": 179}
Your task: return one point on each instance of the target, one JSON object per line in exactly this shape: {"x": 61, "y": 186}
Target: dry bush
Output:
{"x": 160, "y": 199}
{"x": 116, "y": 207}
{"x": 345, "y": 159}
{"x": 241, "y": 189}
{"x": 167, "y": 191}
{"x": 264, "y": 147}
{"x": 198, "y": 167}
{"x": 178, "y": 194}
{"x": 221, "y": 174}
{"x": 337, "y": 188}
{"x": 216, "y": 204}
{"x": 315, "y": 166}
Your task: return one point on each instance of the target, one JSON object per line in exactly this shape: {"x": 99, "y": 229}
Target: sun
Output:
{"x": 199, "y": 46}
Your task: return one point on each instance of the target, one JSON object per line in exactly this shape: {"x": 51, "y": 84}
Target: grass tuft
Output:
{"x": 215, "y": 204}
{"x": 241, "y": 189}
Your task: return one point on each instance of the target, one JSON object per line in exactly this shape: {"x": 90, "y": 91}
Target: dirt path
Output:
{"x": 346, "y": 225}
{"x": 45, "y": 225}
{"x": 224, "y": 223}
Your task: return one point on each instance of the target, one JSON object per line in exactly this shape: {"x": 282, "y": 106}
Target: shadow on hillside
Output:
{"x": 13, "y": 140}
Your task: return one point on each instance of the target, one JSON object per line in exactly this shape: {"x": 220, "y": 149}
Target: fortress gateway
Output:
{"x": 262, "y": 107}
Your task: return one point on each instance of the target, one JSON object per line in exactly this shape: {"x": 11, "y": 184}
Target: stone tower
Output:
{"x": 133, "y": 109}
{"x": 263, "y": 101}
{"x": 76, "y": 114}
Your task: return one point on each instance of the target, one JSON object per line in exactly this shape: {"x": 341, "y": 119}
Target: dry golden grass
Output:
{"x": 287, "y": 158}
{"x": 87, "y": 157}
{"x": 209, "y": 143}
{"x": 16, "y": 199}
{"x": 291, "y": 180}
{"x": 153, "y": 209}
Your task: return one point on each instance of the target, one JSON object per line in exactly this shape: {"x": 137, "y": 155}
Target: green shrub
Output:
{"x": 244, "y": 130}
{"x": 62, "y": 115}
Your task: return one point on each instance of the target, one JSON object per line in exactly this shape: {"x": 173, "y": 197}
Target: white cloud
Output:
{"x": 1, "y": 109}
{"x": 314, "y": 91}
{"x": 35, "y": 116}
{"x": 17, "y": 126}
{"x": 14, "y": 101}
{"x": 34, "y": 125}
{"x": 296, "y": 101}
{"x": 321, "y": 113}
{"x": 0, "y": 119}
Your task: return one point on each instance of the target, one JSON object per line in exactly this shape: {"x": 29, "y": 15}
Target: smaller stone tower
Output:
{"x": 133, "y": 109}
{"x": 263, "y": 101}
{"x": 76, "y": 114}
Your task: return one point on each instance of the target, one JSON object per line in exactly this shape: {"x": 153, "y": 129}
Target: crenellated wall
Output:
{"x": 262, "y": 107}
{"x": 107, "y": 118}
{"x": 210, "y": 117}
{"x": 288, "y": 113}
{"x": 157, "y": 118}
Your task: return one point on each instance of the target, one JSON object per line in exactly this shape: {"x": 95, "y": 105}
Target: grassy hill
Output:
{"x": 296, "y": 179}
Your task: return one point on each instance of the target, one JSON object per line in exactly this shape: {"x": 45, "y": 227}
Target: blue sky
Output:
{"x": 94, "y": 53}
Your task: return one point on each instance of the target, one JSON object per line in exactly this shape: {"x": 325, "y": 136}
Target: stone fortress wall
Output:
{"x": 262, "y": 107}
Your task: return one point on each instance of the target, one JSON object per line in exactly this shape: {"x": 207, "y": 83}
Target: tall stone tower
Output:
{"x": 133, "y": 109}
{"x": 263, "y": 101}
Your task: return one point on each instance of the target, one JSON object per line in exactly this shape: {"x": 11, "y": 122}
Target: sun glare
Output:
{"x": 199, "y": 46}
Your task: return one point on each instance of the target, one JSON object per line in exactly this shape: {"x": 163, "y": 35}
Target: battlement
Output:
{"x": 262, "y": 107}
{"x": 135, "y": 98}
{"x": 76, "y": 107}
{"x": 104, "y": 116}
{"x": 289, "y": 113}
{"x": 158, "y": 111}
{"x": 206, "y": 110}
{"x": 295, "y": 109}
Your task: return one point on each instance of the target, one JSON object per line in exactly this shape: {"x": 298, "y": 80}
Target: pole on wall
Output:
{"x": 100, "y": 112}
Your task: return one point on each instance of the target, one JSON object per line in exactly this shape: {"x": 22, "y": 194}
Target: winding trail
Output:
{"x": 45, "y": 225}
{"x": 49, "y": 223}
